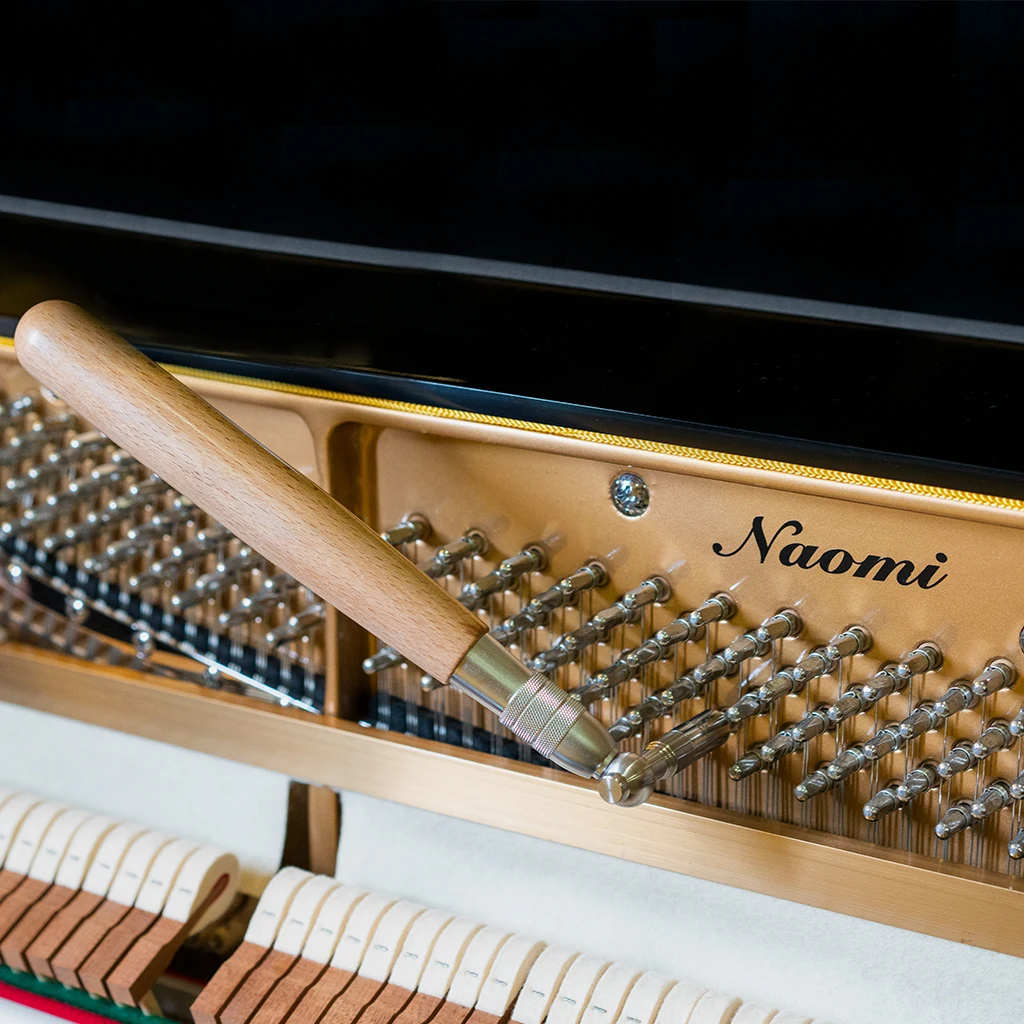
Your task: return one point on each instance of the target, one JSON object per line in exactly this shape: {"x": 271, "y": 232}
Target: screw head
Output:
{"x": 76, "y": 610}
{"x": 630, "y": 495}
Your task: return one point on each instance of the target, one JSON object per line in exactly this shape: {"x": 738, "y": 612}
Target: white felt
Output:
{"x": 476, "y": 962}
{"x": 200, "y": 872}
{"x": 83, "y": 847}
{"x": 124, "y": 889}
{"x": 273, "y": 904}
{"x": 714, "y": 1008}
{"x": 577, "y": 986}
{"x": 541, "y": 985}
{"x": 306, "y": 905}
{"x": 679, "y": 1003}
{"x": 645, "y": 998}
{"x": 28, "y": 839}
{"x": 55, "y": 843}
{"x": 754, "y": 1013}
{"x": 609, "y": 995}
{"x": 417, "y": 948}
{"x": 788, "y": 1017}
{"x": 507, "y": 974}
{"x": 12, "y": 814}
{"x": 213, "y": 800}
{"x": 724, "y": 938}
{"x": 163, "y": 874}
{"x": 109, "y": 858}
{"x": 362, "y": 923}
{"x": 330, "y": 923}
{"x": 387, "y": 940}
{"x": 447, "y": 956}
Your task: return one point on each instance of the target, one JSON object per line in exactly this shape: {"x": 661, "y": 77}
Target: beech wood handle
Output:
{"x": 269, "y": 505}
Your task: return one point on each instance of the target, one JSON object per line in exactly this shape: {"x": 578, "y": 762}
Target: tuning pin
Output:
{"x": 274, "y": 590}
{"x": 922, "y": 719}
{"x": 14, "y": 410}
{"x": 167, "y": 569}
{"x": 886, "y": 741}
{"x": 992, "y": 799}
{"x": 757, "y": 643}
{"x": 94, "y": 525}
{"x": 814, "y": 723}
{"x": 161, "y": 526}
{"x": 654, "y": 590}
{"x": 539, "y": 610}
{"x": 115, "y": 554}
{"x": 882, "y": 804}
{"x": 995, "y": 738}
{"x": 448, "y": 558}
{"x": 412, "y": 528}
{"x": 633, "y": 721}
{"x": 79, "y": 448}
{"x": 824, "y": 660}
{"x": 690, "y": 625}
{"x": 386, "y": 657}
{"x": 750, "y": 763}
{"x": 1017, "y": 724}
{"x": 630, "y": 779}
{"x": 852, "y": 760}
{"x": 758, "y": 702}
{"x": 926, "y": 657}
{"x": 530, "y": 559}
{"x": 999, "y": 674}
{"x": 212, "y": 583}
{"x": 955, "y": 820}
{"x": 923, "y": 778}
{"x": 297, "y": 626}
{"x": 813, "y": 785}
{"x": 597, "y": 629}
{"x": 960, "y": 759}
{"x": 1016, "y": 846}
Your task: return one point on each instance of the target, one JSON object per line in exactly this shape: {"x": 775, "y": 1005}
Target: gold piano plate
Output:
{"x": 906, "y": 562}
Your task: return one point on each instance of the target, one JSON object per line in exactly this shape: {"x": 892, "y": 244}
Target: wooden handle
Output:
{"x": 269, "y": 505}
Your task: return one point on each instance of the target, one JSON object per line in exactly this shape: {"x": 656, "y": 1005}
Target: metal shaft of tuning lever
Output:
{"x": 449, "y": 557}
{"x": 882, "y": 803}
{"x": 412, "y": 528}
{"x": 626, "y": 609}
{"x": 997, "y": 736}
{"x": 925, "y": 658}
{"x": 922, "y": 779}
{"x": 473, "y": 596}
{"x": 992, "y": 799}
{"x": 298, "y": 626}
{"x": 299, "y": 527}
{"x": 630, "y": 779}
{"x": 538, "y": 611}
{"x": 695, "y": 683}
{"x": 961, "y": 758}
{"x": 956, "y": 819}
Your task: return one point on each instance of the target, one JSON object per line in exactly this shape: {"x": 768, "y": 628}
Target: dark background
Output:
{"x": 864, "y": 153}
{"x": 860, "y": 152}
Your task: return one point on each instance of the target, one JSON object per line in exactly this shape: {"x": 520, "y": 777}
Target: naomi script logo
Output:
{"x": 834, "y": 561}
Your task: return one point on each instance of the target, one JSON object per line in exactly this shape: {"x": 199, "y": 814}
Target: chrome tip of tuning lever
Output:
{"x": 535, "y": 710}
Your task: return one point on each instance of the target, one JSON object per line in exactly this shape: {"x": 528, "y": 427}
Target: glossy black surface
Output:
{"x": 894, "y": 403}
{"x": 860, "y": 152}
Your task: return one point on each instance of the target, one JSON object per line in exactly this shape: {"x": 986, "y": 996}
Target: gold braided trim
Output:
{"x": 833, "y": 476}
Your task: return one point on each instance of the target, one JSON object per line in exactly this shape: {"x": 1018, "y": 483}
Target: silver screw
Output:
{"x": 630, "y": 495}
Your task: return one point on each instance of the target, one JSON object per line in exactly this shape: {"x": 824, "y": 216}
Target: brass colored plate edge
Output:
{"x": 785, "y": 861}
{"x": 714, "y": 458}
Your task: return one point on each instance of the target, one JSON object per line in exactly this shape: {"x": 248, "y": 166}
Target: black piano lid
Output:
{"x": 790, "y": 230}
